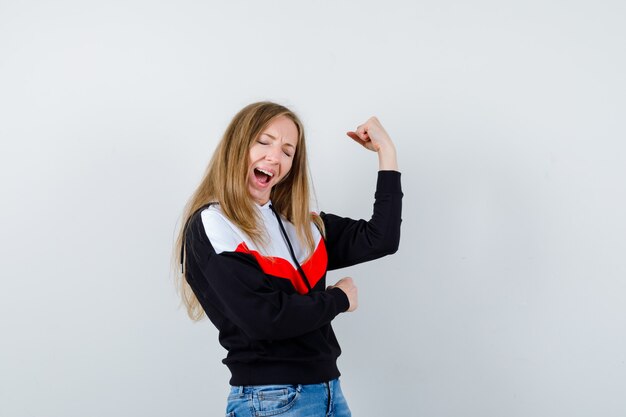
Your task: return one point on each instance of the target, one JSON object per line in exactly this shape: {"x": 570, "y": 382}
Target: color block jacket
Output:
{"x": 274, "y": 314}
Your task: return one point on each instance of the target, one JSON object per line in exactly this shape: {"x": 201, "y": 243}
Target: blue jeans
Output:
{"x": 313, "y": 400}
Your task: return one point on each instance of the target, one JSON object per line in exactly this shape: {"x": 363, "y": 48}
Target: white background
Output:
{"x": 507, "y": 296}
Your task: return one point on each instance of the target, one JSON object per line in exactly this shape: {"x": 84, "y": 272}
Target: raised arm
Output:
{"x": 350, "y": 241}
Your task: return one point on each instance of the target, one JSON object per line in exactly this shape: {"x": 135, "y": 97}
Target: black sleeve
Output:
{"x": 350, "y": 242}
{"x": 234, "y": 284}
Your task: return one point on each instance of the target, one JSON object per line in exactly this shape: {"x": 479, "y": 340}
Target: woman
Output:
{"x": 255, "y": 261}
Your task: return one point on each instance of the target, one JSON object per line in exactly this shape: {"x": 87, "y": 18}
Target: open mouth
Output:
{"x": 262, "y": 176}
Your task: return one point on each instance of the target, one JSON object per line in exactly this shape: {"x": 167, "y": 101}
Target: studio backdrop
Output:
{"x": 507, "y": 296}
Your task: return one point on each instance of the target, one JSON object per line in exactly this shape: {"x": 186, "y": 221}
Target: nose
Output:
{"x": 273, "y": 154}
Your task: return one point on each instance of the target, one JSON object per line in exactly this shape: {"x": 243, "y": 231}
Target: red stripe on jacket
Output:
{"x": 314, "y": 267}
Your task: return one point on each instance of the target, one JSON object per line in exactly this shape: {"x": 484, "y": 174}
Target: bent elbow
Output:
{"x": 392, "y": 248}
{"x": 392, "y": 242}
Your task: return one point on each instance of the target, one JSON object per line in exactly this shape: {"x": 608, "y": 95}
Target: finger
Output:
{"x": 356, "y": 138}
{"x": 362, "y": 132}
{"x": 367, "y": 143}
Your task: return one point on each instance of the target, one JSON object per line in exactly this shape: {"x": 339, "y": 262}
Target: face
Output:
{"x": 271, "y": 157}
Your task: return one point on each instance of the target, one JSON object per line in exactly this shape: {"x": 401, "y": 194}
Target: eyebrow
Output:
{"x": 274, "y": 137}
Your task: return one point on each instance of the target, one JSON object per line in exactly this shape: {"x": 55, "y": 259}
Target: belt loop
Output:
{"x": 240, "y": 390}
{"x": 329, "y": 392}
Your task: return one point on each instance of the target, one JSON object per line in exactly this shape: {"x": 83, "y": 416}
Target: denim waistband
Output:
{"x": 250, "y": 389}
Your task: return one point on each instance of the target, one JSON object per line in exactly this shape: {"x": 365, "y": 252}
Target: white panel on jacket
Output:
{"x": 226, "y": 237}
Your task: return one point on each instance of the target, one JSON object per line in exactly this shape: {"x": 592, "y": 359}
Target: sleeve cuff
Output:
{"x": 341, "y": 298}
{"x": 388, "y": 182}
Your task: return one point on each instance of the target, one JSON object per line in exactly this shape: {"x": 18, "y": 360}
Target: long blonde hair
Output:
{"x": 225, "y": 182}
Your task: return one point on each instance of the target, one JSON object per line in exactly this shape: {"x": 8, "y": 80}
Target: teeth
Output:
{"x": 266, "y": 172}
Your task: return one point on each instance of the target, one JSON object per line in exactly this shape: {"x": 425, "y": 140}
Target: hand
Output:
{"x": 347, "y": 286}
{"x": 372, "y": 135}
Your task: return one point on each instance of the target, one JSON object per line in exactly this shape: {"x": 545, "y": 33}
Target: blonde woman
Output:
{"x": 254, "y": 260}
